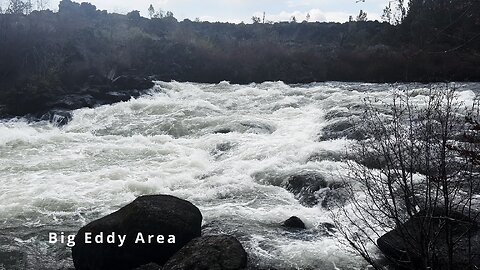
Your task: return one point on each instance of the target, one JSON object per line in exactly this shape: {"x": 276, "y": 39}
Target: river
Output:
{"x": 226, "y": 148}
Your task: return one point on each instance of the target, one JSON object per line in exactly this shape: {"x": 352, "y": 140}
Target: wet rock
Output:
{"x": 325, "y": 155}
{"x": 305, "y": 185}
{"x": 223, "y": 131}
{"x": 215, "y": 252}
{"x": 336, "y": 113}
{"x": 408, "y": 249}
{"x": 149, "y": 215}
{"x": 371, "y": 161}
{"x": 221, "y": 149}
{"x": 294, "y": 223}
{"x": 258, "y": 127}
{"x": 329, "y": 227}
{"x": 74, "y": 101}
{"x": 334, "y": 196}
{"x": 57, "y": 117}
{"x": 343, "y": 128}
{"x": 150, "y": 266}
{"x": 255, "y": 127}
{"x": 96, "y": 90}
{"x": 131, "y": 82}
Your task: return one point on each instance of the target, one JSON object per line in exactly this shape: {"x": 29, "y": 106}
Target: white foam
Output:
{"x": 165, "y": 143}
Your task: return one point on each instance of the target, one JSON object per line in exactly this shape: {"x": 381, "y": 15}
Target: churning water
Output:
{"x": 226, "y": 148}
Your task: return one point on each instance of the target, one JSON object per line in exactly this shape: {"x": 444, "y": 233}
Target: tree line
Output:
{"x": 45, "y": 53}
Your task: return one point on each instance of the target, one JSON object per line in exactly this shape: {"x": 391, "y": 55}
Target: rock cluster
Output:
{"x": 153, "y": 231}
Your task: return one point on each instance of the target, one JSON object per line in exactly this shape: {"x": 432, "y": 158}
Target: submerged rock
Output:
{"x": 294, "y": 223}
{"x": 57, "y": 117}
{"x": 252, "y": 126}
{"x": 222, "y": 148}
{"x": 214, "y": 252}
{"x": 336, "y": 195}
{"x": 305, "y": 185}
{"x": 148, "y": 215}
{"x": 342, "y": 128}
{"x": 326, "y": 155}
{"x": 408, "y": 250}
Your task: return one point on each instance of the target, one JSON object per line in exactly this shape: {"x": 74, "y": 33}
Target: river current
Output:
{"x": 226, "y": 148}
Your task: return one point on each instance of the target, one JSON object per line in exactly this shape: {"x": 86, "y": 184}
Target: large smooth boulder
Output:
{"x": 213, "y": 252}
{"x": 149, "y": 215}
{"x": 404, "y": 244}
{"x": 294, "y": 223}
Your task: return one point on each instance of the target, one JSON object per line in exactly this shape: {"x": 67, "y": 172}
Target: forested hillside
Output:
{"x": 45, "y": 55}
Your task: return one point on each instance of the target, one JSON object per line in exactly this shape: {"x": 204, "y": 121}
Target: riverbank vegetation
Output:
{"x": 418, "y": 203}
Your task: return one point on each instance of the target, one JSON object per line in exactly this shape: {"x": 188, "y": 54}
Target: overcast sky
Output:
{"x": 243, "y": 10}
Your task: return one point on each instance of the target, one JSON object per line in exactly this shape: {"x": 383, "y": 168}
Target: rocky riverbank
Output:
{"x": 55, "y": 106}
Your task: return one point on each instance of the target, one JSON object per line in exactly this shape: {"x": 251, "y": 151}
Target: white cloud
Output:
{"x": 242, "y": 10}
{"x": 337, "y": 16}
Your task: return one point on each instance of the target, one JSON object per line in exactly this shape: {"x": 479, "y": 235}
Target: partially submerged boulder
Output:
{"x": 405, "y": 244}
{"x": 304, "y": 186}
{"x": 156, "y": 215}
{"x": 342, "y": 128}
{"x": 294, "y": 223}
{"x": 213, "y": 252}
{"x": 336, "y": 195}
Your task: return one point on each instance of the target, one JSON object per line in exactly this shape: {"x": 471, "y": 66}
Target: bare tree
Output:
{"x": 151, "y": 11}
{"x": 387, "y": 13}
{"x": 19, "y": 7}
{"x": 42, "y": 4}
{"x": 413, "y": 183}
{"x": 362, "y": 16}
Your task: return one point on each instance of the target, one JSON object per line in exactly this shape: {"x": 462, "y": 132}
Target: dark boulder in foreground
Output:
{"x": 294, "y": 223}
{"x": 408, "y": 250}
{"x": 148, "y": 215}
{"x": 214, "y": 252}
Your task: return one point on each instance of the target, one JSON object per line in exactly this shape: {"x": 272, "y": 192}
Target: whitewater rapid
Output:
{"x": 226, "y": 148}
